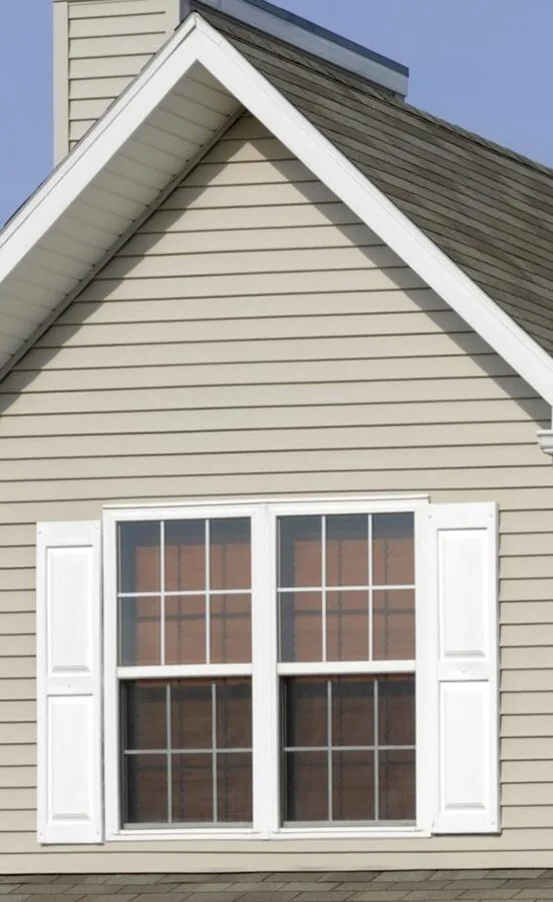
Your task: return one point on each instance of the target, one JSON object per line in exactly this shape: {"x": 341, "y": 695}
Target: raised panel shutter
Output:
{"x": 459, "y": 545}
{"x": 69, "y": 683}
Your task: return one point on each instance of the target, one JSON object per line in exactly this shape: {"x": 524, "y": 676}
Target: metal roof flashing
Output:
{"x": 311, "y": 38}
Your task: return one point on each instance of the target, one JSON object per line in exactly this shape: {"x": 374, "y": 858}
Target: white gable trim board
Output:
{"x": 196, "y": 42}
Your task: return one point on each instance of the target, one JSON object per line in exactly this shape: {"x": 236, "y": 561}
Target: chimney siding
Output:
{"x": 99, "y": 47}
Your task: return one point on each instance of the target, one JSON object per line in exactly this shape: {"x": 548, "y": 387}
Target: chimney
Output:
{"x": 99, "y": 47}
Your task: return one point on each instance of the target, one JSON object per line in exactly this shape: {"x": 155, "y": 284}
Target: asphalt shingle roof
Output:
{"x": 489, "y": 209}
{"x": 365, "y": 886}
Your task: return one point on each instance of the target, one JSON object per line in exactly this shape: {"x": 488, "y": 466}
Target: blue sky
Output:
{"x": 483, "y": 64}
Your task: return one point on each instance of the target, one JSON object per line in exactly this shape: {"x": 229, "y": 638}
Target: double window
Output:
{"x": 265, "y": 674}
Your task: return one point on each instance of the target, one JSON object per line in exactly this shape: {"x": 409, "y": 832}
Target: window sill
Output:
{"x": 283, "y": 834}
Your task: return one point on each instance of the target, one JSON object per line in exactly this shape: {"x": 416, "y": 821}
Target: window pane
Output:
{"x": 347, "y": 626}
{"x": 192, "y": 788}
{"x": 145, "y": 778}
{"x": 301, "y": 626}
{"x": 234, "y": 714}
{"x": 396, "y": 710}
{"x": 139, "y": 631}
{"x": 306, "y": 786}
{"x": 353, "y": 711}
{"x": 305, "y": 703}
{"x": 139, "y": 557}
{"x": 300, "y": 552}
{"x": 353, "y": 786}
{"x": 185, "y": 555}
{"x": 347, "y": 551}
{"x": 230, "y": 554}
{"x": 191, "y": 714}
{"x": 230, "y": 624}
{"x": 185, "y": 619}
{"x": 145, "y": 715}
{"x": 396, "y": 776}
{"x": 394, "y": 625}
{"x": 234, "y": 788}
{"x": 393, "y": 550}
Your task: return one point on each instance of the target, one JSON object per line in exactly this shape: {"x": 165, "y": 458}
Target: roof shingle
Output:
{"x": 487, "y": 208}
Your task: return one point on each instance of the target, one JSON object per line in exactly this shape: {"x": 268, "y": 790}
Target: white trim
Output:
{"x": 545, "y": 440}
{"x": 328, "y": 668}
{"x": 181, "y": 671}
{"x": 155, "y": 511}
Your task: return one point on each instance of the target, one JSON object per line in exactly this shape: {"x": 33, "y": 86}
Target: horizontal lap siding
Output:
{"x": 253, "y": 313}
{"x": 108, "y": 44}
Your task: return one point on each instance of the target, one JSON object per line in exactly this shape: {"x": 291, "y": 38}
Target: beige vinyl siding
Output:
{"x": 255, "y": 339}
{"x": 105, "y": 44}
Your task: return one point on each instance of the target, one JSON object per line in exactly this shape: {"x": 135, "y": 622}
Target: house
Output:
{"x": 276, "y": 523}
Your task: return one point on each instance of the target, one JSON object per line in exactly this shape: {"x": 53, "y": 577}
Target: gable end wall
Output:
{"x": 255, "y": 338}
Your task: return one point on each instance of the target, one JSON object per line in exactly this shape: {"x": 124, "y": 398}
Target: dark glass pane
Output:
{"x": 353, "y": 711}
{"x": 139, "y": 631}
{"x": 393, "y": 550}
{"x": 234, "y": 788}
{"x": 306, "y": 786}
{"x": 234, "y": 714}
{"x": 396, "y": 710}
{"x": 231, "y": 629}
{"x": 347, "y": 626}
{"x": 145, "y": 778}
{"x": 139, "y": 557}
{"x": 145, "y": 715}
{"x": 185, "y": 555}
{"x": 185, "y": 618}
{"x": 305, "y": 703}
{"x": 301, "y": 626}
{"x": 347, "y": 550}
{"x": 300, "y": 552}
{"x": 230, "y": 554}
{"x": 353, "y": 786}
{"x": 396, "y": 777}
{"x": 394, "y": 625}
{"x": 191, "y": 714}
{"x": 192, "y": 788}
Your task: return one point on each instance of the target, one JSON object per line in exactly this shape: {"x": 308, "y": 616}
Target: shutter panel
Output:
{"x": 69, "y": 683}
{"x": 460, "y": 556}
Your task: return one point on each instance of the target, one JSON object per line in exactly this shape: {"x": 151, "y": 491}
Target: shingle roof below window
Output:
{"x": 489, "y": 209}
{"x": 478, "y": 886}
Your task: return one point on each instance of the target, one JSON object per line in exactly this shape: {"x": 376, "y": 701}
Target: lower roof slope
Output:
{"x": 489, "y": 209}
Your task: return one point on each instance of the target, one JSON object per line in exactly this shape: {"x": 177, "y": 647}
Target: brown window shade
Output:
{"x": 353, "y": 711}
{"x": 394, "y": 625}
{"x": 231, "y": 629}
{"x": 300, "y": 552}
{"x": 393, "y": 550}
{"x": 146, "y": 715}
{"x": 301, "y": 626}
{"x": 185, "y": 629}
{"x": 347, "y": 626}
{"x": 353, "y": 795}
{"x": 336, "y": 758}
{"x": 140, "y": 631}
{"x": 230, "y": 554}
{"x": 194, "y": 736}
{"x": 347, "y": 550}
{"x": 139, "y": 556}
{"x": 185, "y": 555}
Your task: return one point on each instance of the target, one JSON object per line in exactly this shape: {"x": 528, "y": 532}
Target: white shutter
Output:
{"x": 69, "y": 683}
{"x": 459, "y": 609}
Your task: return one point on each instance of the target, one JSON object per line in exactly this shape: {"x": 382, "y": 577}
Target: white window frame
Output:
{"x": 265, "y": 670}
